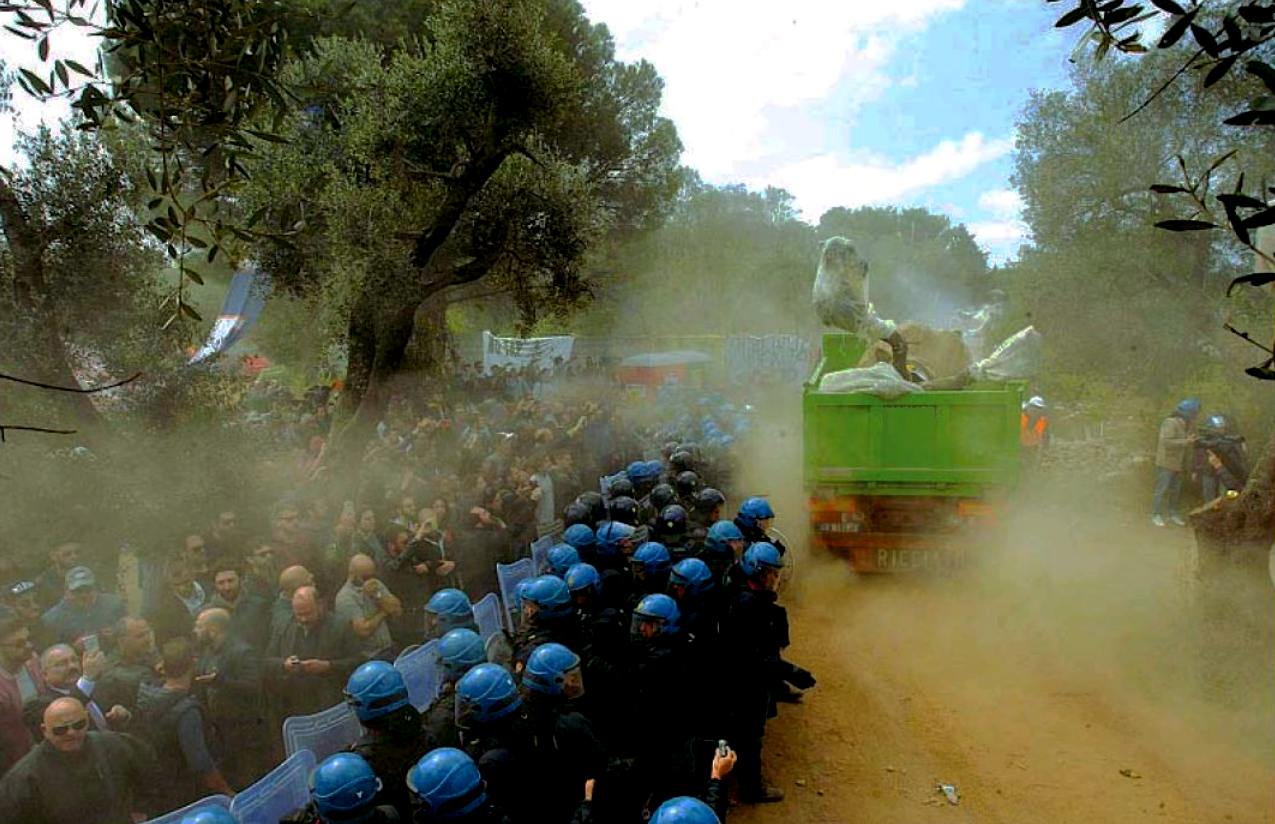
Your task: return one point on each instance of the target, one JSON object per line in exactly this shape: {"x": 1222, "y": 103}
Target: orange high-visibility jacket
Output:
{"x": 1029, "y": 434}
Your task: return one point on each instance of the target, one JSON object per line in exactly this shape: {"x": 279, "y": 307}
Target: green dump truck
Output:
{"x": 914, "y": 483}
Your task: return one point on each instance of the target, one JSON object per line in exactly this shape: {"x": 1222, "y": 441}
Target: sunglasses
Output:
{"x": 63, "y": 729}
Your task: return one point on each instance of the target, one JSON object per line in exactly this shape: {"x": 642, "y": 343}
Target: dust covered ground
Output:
{"x": 1065, "y": 678}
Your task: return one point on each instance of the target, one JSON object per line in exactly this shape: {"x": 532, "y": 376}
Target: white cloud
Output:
{"x": 1003, "y": 231}
{"x": 824, "y": 181}
{"x": 1003, "y": 203}
{"x": 735, "y": 69}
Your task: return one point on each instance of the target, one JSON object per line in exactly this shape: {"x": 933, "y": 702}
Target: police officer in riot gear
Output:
{"x": 459, "y": 651}
{"x": 568, "y": 751}
{"x": 494, "y": 731}
{"x": 393, "y": 738}
{"x": 753, "y": 633}
{"x": 446, "y": 785}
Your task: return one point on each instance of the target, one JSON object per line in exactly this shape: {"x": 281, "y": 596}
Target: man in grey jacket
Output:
{"x": 1173, "y": 455}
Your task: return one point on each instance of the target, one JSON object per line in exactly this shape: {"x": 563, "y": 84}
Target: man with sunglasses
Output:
{"x": 77, "y": 774}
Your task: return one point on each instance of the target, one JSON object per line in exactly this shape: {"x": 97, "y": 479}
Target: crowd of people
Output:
{"x": 646, "y": 661}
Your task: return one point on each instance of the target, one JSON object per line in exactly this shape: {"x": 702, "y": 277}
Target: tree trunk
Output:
{"x": 45, "y": 351}
{"x": 380, "y": 328}
{"x": 430, "y": 348}
{"x": 378, "y": 338}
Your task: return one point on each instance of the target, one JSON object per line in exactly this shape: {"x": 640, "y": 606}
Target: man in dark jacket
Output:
{"x": 228, "y": 678}
{"x": 248, "y": 612}
{"x": 307, "y": 663}
{"x": 183, "y": 597}
{"x": 107, "y": 771}
{"x": 175, "y": 725}
{"x": 131, "y": 664}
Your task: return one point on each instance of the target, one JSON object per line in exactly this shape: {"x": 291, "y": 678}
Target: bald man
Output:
{"x": 306, "y": 665}
{"x": 290, "y": 580}
{"x": 228, "y": 682}
{"x": 365, "y": 603}
{"x": 77, "y": 774}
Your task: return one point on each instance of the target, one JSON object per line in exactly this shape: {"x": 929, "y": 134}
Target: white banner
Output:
{"x": 778, "y": 356}
{"x": 520, "y": 352}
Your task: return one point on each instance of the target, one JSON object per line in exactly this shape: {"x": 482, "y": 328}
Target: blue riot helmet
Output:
{"x": 580, "y": 536}
{"x": 684, "y": 810}
{"x": 724, "y": 535}
{"x": 1188, "y": 408}
{"x": 635, "y": 470}
{"x": 209, "y": 815}
{"x": 655, "y": 615}
{"x": 561, "y": 558}
{"x": 753, "y": 510}
{"x": 459, "y": 651}
{"x": 613, "y": 538}
{"x": 550, "y": 595}
{"x": 485, "y": 694}
{"x": 692, "y": 575}
{"x": 654, "y": 469}
{"x": 651, "y": 559}
{"x": 623, "y": 510}
{"x": 759, "y": 557}
{"x": 552, "y": 669}
{"x": 583, "y": 581}
{"x": 344, "y": 788}
{"x": 375, "y": 690}
{"x": 447, "y": 785}
{"x": 662, "y": 495}
{"x": 1215, "y": 424}
{"x": 449, "y": 609}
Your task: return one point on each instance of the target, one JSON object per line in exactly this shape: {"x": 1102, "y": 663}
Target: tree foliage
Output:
{"x": 504, "y": 142}
{"x": 1223, "y": 41}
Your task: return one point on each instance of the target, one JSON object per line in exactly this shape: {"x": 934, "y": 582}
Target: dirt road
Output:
{"x": 1060, "y": 682}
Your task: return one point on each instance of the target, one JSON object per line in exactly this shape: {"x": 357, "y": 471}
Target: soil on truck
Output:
{"x": 909, "y": 484}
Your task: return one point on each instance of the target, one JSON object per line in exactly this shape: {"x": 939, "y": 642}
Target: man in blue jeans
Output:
{"x": 1173, "y": 453}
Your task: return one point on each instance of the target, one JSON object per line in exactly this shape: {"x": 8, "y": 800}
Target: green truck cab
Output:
{"x": 908, "y": 484}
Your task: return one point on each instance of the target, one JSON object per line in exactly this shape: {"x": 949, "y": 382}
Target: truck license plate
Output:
{"x": 929, "y": 560}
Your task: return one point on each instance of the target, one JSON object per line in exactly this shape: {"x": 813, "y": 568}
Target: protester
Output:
{"x": 307, "y": 663}
{"x": 228, "y": 682}
{"x": 76, "y": 775}
{"x": 83, "y": 610}
{"x": 366, "y": 604}
{"x": 20, "y": 682}
{"x": 174, "y": 722}
{"x": 131, "y": 664}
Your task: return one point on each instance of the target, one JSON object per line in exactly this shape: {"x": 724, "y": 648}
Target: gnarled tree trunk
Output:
{"x": 43, "y": 350}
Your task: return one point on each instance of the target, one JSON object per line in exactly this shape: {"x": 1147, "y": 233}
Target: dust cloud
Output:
{"x": 1075, "y": 669}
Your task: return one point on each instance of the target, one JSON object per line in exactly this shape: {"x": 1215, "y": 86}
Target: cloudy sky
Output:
{"x": 841, "y": 102}
{"x": 903, "y": 102}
